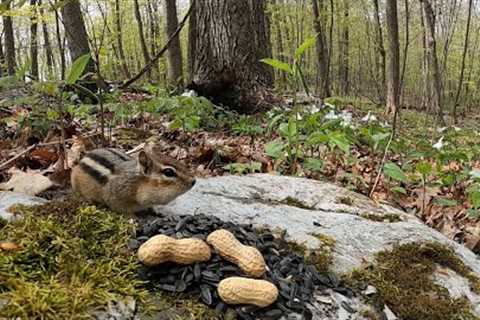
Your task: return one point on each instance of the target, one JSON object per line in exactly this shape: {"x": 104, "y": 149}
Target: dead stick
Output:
{"x": 161, "y": 52}
{"x": 17, "y": 156}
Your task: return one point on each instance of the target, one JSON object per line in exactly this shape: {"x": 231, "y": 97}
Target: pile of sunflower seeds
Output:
{"x": 295, "y": 279}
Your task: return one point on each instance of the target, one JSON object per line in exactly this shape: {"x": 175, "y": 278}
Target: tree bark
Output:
{"x": 344, "y": 51}
{"x": 138, "y": 17}
{"x": 433, "y": 59}
{"x": 175, "y": 65}
{"x": 34, "y": 40}
{"x": 231, "y": 40}
{"x": 280, "y": 43}
{"x": 118, "y": 30}
{"x": 46, "y": 40}
{"x": 2, "y": 58}
{"x": 393, "y": 88}
{"x": 380, "y": 57}
{"x": 9, "y": 41}
{"x": 75, "y": 31}
{"x": 60, "y": 44}
{"x": 192, "y": 43}
{"x": 462, "y": 70}
{"x": 405, "y": 49}
{"x": 323, "y": 87}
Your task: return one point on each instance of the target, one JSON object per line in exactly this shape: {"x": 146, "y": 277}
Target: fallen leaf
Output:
{"x": 31, "y": 183}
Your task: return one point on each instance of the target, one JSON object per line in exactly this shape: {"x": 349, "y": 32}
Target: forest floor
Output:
{"x": 431, "y": 172}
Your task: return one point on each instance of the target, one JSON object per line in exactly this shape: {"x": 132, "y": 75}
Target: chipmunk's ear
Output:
{"x": 145, "y": 162}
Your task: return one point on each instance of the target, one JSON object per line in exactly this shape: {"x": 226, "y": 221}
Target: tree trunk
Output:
{"x": 34, "y": 40}
{"x": 175, "y": 66}
{"x": 462, "y": 70}
{"x": 46, "y": 40}
{"x": 118, "y": 29}
{"x": 393, "y": 88}
{"x": 433, "y": 59}
{"x": 192, "y": 43}
{"x": 322, "y": 54}
{"x": 279, "y": 41}
{"x": 343, "y": 60}
{"x": 2, "y": 58}
{"x": 9, "y": 41}
{"x": 405, "y": 49}
{"x": 60, "y": 44}
{"x": 231, "y": 40}
{"x": 75, "y": 31}
{"x": 380, "y": 58}
{"x": 138, "y": 17}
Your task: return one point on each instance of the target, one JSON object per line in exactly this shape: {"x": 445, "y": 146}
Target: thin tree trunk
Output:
{"x": 192, "y": 43}
{"x": 34, "y": 40}
{"x": 9, "y": 41}
{"x": 146, "y": 55}
{"x": 175, "y": 66}
{"x": 3, "y": 70}
{"x": 462, "y": 70}
{"x": 393, "y": 90}
{"x": 405, "y": 49}
{"x": 118, "y": 29}
{"x": 344, "y": 51}
{"x": 279, "y": 41}
{"x": 61, "y": 47}
{"x": 380, "y": 58}
{"x": 433, "y": 59}
{"x": 46, "y": 40}
{"x": 323, "y": 87}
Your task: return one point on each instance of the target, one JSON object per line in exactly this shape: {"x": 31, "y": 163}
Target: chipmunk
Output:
{"x": 129, "y": 185}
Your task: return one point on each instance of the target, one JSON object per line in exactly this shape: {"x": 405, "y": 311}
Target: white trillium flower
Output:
{"x": 439, "y": 144}
{"x": 189, "y": 93}
{"x": 369, "y": 117}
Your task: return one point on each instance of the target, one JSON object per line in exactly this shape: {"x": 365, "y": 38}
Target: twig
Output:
{"x": 137, "y": 148}
{"x": 17, "y": 156}
{"x": 161, "y": 52}
{"x": 380, "y": 170}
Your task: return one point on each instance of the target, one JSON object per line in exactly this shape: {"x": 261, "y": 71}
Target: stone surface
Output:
{"x": 306, "y": 207}
{"x": 8, "y": 199}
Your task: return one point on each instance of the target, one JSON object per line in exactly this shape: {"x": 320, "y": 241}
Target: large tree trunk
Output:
{"x": 343, "y": 60}
{"x": 75, "y": 31}
{"x": 192, "y": 43}
{"x": 431, "y": 45}
{"x": 393, "y": 91}
{"x": 323, "y": 87}
{"x": 175, "y": 66}
{"x": 34, "y": 40}
{"x": 146, "y": 55}
{"x": 118, "y": 29}
{"x": 231, "y": 38}
{"x": 9, "y": 41}
{"x": 380, "y": 57}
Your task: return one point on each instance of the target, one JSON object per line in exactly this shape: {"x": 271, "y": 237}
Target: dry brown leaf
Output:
{"x": 31, "y": 183}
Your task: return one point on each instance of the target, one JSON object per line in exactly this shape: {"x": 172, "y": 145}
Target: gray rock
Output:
{"x": 8, "y": 199}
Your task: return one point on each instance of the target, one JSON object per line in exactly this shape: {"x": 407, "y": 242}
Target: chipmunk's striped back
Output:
{"x": 100, "y": 164}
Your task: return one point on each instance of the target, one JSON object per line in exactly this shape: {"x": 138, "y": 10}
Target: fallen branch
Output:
{"x": 161, "y": 52}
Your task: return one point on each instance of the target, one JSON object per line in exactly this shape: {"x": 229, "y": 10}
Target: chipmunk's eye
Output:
{"x": 169, "y": 172}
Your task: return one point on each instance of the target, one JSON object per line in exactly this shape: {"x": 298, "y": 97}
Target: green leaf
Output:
{"x": 473, "y": 214}
{"x": 307, "y": 44}
{"x": 445, "y": 202}
{"x": 313, "y": 164}
{"x": 395, "y": 172}
{"x": 399, "y": 190}
{"x": 77, "y": 68}
{"x": 338, "y": 139}
{"x": 277, "y": 64}
{"x": 424, "y": 168}
{"x": 274, "y": 149}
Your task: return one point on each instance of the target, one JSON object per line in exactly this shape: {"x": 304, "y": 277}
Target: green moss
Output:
{"x": 345, "y": 200}
{"x": 403, "y": 277}
{"x": 289, "y": 201}
{"x": 322, "y": 257}
{"x": 73, "y": 260}
{"x": 381, "y": 217}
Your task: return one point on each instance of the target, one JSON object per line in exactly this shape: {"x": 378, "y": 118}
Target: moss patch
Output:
{"x": 322, "y": 257}
{"x": 289, "y": 201}
{"x": 403, "y": 277}
{"x": 73, "y": 261}
{"x": 345, "y": 200}
{"x": 381, "y": 217}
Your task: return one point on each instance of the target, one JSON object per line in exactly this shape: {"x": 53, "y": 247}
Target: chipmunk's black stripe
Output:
{"x": 95, "y": 174}
{"x": 119, "y": 154}
{"x": 102, "y": 161}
